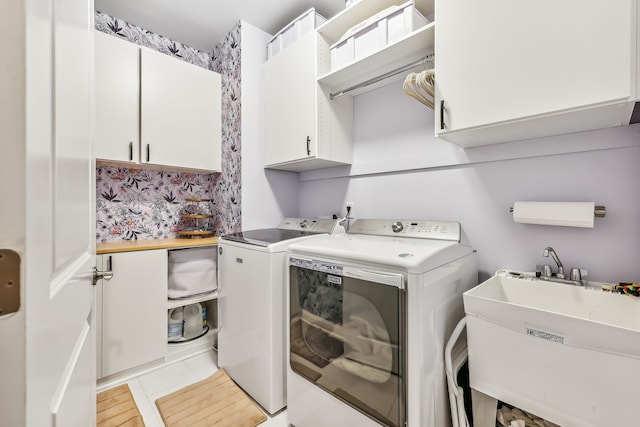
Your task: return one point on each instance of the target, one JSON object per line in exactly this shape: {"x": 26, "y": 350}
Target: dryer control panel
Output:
{"x": 420, "y": 229}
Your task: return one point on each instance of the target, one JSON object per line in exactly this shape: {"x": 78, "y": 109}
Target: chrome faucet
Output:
{"x": 575, "y": 277}
{"x": 549, "y": 251}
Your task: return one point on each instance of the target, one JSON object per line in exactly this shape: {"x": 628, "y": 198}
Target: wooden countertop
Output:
{"x": 145, "y": 245}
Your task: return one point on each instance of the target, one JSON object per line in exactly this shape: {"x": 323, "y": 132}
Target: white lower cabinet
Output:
{"x": 134, "y": 327}
{"x": 132, "y": 314}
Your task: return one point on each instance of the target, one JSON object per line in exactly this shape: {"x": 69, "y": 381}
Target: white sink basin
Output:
{"x": 570, "y": 354}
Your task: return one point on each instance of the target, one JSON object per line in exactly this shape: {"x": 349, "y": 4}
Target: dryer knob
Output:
{"x": 397, "y": 227}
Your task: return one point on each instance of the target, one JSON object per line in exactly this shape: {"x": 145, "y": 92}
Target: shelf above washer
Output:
{"x": 411, "y": 48}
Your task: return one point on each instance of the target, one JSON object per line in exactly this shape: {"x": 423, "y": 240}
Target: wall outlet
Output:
{"x": 350, "y": 207}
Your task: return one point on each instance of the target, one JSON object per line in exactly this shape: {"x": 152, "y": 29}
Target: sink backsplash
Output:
{"x": 145, "y": 204}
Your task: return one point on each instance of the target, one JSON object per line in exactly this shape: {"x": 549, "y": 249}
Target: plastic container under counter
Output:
{"x": 304, "y": 23}
{"x": 376, "y": 32}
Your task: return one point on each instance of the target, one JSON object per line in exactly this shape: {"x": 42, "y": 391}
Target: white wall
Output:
{"x": 401, "y": 171}
{"x": 267, "y": 195}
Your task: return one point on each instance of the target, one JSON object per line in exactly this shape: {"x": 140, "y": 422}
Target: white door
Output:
{"x": 47, "y": 212}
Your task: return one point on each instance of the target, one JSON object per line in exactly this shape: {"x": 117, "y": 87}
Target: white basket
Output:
{"x": 192, "y": 271}
{"x": 304, "y": 23}
{"x": 376, "y": 32}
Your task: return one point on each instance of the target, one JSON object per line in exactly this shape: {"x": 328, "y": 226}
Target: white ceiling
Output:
{"x": 201, "y": 24}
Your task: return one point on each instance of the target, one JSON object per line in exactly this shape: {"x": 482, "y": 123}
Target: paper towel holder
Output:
{"x": 598, "y": 211}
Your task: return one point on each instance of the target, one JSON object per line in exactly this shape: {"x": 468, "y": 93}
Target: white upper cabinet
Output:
{"x": 180, "y": 112}
{"x": 152, "y": 108}
{"x": 117, "y": 83}
{"x": 304, "y": 129}
{"x": 517, "y": 70}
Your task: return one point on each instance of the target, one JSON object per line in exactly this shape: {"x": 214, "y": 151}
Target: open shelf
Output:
{"x": 180, "y": 350}
{"x": 173, "y": 303}
{"x": 411, "y": 48}
{"x": 335, "y": 27}
{"x": 197, "y": 216}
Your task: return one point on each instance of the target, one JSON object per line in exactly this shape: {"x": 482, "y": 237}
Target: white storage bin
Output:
{"x": 192, "y": 271}
{"x": 304, "y": 23}
{"x": 376, "y": 32}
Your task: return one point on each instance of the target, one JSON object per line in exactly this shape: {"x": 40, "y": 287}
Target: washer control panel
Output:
{"x": 314, "y": 225}
{"x": 420, "y": 229}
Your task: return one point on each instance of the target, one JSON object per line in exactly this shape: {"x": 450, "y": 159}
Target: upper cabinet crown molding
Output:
{"x": 154, "y": 109}
{"x": 507, "y": 71}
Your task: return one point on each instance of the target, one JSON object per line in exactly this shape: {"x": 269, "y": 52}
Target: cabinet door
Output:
{"x": 134, "y": 311}
{"x": 181, "y": 113}
{"x": 499, "y": 60}
{"x": 290, "y": 99}
{"x": 117, "y": 74}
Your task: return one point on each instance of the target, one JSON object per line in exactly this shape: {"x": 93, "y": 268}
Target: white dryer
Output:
{"x": 369, "y": 315}
{"x": 251, "y": 305}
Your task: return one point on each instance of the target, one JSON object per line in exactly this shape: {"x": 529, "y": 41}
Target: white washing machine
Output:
{"x": 369, "y": 313}
{"x": 251, "y": 305}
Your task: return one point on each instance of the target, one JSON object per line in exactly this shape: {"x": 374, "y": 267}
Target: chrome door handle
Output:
{"x": 98, "y": 275}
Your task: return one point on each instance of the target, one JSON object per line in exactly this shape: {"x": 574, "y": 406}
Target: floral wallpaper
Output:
{"x": 227, "y": 193}
{"x": 137, "y": 35}
{"x": 145, "y": 204}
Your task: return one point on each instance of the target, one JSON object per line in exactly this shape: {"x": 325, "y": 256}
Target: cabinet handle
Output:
{"x": 110, "y": 263}
{"x": 308, "y": 146}
{"x": 148, "y": 153}
{"x": 442, "y": 125}
{"x": 130, "y": 151}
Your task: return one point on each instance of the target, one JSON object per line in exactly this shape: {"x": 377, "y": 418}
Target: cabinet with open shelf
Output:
{"x": 380, "y": 66}
{"x": 185, "y": 348}
{"x": 133, "y": 307}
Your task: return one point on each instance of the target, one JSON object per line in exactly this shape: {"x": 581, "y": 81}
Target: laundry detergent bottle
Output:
{"x": 175, "y": 322}
{"x": 192, "y": 321}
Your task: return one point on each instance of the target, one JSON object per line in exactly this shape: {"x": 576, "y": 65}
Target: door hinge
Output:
{"x": 9, "y": 281}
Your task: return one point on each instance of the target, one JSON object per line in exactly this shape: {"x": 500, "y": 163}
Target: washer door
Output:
{"x": 347, "y": 336}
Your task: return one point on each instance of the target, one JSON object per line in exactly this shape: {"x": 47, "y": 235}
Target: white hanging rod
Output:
{"x": 426, "y": 59}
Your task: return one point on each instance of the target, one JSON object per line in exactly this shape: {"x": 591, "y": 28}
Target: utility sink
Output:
{"x": 569, "y": 354}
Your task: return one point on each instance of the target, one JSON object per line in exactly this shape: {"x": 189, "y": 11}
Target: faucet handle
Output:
{"x": 545, "y": 270}
{"x": 575, "y": 274}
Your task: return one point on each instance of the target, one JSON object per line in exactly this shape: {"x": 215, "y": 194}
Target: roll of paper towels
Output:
{"x": 569, "y": 214}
